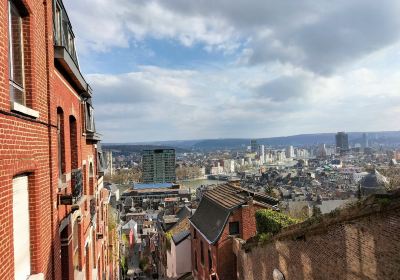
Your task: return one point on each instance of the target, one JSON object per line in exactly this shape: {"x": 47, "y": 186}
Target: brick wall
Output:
{"x": 362, "y": 245}
{"x": 24, "y": 143}
{"x": 29, "y": 145}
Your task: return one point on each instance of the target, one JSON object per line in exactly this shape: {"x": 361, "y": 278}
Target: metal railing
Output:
{"x": 76, "y": 184}
{"x": 92, "y": 209}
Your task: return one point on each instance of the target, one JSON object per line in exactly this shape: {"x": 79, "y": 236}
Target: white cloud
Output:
{"x": 319, "y": 36}
{"x": 297, "y": 67}
{"x": 115, "y": 23}
{"x": 160, "y": 104}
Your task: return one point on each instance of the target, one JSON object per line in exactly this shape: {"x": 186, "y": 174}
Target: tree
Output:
{"x": 316, "y": 211}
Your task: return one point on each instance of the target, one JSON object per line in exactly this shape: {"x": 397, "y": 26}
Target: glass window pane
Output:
{"x": 16, "y": 47}
{"x": 58, "y": 25}
{"x": 17, "y": 95}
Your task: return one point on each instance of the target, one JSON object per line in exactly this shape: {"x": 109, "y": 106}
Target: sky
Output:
{"x": 196, "y": 69}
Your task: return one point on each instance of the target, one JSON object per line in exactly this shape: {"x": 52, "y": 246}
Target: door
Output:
{"x": 21, "y": 229}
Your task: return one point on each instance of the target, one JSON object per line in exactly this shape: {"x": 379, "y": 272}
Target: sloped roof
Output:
{"x": 226, "y": 195}
{"x": 216, "y": 205}
{"x": 230, "y": 196}
{"x": 210, "y": 219}
{"x": 169, "y": 222}
{"x": 129, "y": 225}
{"x": 374, "y": 181}
{"x": 180, "y": 236}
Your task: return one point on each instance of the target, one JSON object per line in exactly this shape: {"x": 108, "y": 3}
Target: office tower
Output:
{"x": 321, "y": 152}
{"x": 254, "y": 145}
{"x": 159, "y": 166}
{"x": 342, "y": 142}
{"x": 290, "y": 152}
{"x": 364, "y": 141}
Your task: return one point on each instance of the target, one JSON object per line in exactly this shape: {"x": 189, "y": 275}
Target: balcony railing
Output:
{"x": 93, "y": 209}
{"x": 76, "y": 184}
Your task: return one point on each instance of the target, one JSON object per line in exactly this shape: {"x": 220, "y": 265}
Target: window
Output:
{"x": 70, "y": 43}
{"x": 91, "y": 172}
{"x": 75, "y": 244}
{"x": 64, "y": 237}
{"x": 61, "y": 149}
{"x": 201, "y": 252}
{"x": 57, "y": 25}
{"x": 16, "y": 57}
{"x": 73, "y": 142}
{"x": 233, "y": 228}
{"x": 209, "y": 260}
{"x": 195, "y": 260}
{"x": 89, "y": 117}
{"x": 87, "y": 254}
{"x": 63, "y": 35}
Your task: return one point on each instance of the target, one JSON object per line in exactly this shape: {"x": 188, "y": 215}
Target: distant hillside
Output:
{"x": 385, "y": 137}
{"x": 132, "y": 148}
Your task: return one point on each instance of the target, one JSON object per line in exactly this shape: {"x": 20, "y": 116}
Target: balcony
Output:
{"x": 76, "y": 185}
{"x": 93, "y": 136}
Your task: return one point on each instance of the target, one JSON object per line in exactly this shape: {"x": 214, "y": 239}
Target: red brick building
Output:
{"x": 223, "y": 212}
{"x": 53, "y": 221}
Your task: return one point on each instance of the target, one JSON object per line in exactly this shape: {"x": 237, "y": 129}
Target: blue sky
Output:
{"x": 180, "y": 69}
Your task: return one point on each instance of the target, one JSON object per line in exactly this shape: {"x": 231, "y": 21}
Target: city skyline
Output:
{"x": 187, "y": 70}
{"x": 248, "y": 138}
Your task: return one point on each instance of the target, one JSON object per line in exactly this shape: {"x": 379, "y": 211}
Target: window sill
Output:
{"x": 39, "y": 276}
{"x": 24, "y": 110}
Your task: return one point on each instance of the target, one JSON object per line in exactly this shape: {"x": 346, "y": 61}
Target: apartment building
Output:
{"x": 53, "y": 205}
{"x": 159, "y": 166}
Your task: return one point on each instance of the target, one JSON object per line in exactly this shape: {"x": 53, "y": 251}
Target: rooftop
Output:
{"x": 217, "y": 204}
{"x": 230, "y": 196}
{"x": 142, "y": 186}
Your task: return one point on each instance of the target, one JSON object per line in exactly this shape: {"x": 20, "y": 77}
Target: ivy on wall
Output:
{"x": 270, "y": 221}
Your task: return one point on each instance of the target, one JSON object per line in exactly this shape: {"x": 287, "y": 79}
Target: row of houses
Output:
{"x": 54, "y": 209}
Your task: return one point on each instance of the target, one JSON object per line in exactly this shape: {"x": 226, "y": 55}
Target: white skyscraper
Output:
{"x": 261, "y": 153}
{"x": 289, "y": 152}
{"x": 229, "y": 166}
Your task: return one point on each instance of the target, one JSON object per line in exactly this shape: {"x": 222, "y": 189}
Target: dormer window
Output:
{"x": 16, "y": 57}
{"x": 63, "y": 35}
{"x": 70, "y": 42}
{"x": 57, "y": 25}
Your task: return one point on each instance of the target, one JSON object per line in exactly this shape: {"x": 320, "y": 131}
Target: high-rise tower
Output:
{"x": 159, "y": 166}
{"x": 342, "y": 142}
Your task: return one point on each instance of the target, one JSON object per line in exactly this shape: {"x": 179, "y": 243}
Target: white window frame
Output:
{"x": 11, "y": 7}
